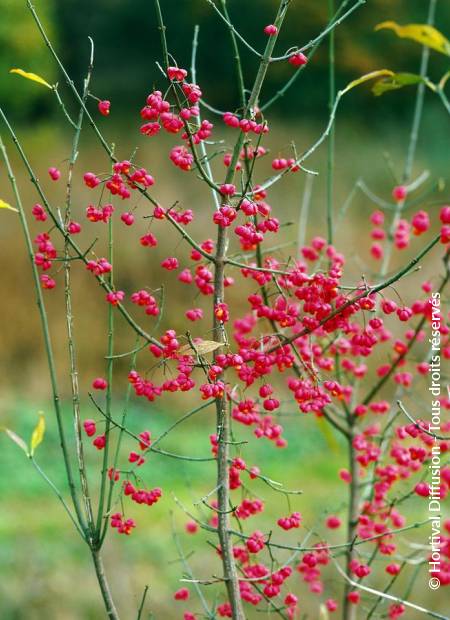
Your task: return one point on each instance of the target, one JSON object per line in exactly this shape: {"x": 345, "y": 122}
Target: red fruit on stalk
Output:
{"x": 270, "y": 30}
{"x": 99, "y": 384}
{"x": 54, "y": 173}
{"x": 104, "y": 107}
{"x": 298, "y": 59}
{"x": 399, "y": 193}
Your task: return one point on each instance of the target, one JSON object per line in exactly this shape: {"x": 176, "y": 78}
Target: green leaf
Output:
{"x": 394, "y": 82}
{"x": 31, "y": 76}
{"x": 420, "y": 33}
{"x": 365, "y": 78}
{"x": 17, "y": 440}
{"x": 5, "y": 205}
{"x": 38, "y": 433}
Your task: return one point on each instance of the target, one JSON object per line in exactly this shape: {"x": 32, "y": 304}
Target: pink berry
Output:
{"x": 422, "y": 489}
{"x": 181, "y": 595}
{"x": 104, "y": 107}
{"x": 99, "y": 384}
{"x": 227, "y": 189}
{"x": 39, "y": 213}
{"x": 420, "y": 222}
{"x": 271, "y": 30}
{"x": 127, "y": 218}
{"x": 444, "y": 214}
{"x": 399, "y": 193}
{"x": 333, "y": 522}
{"x": 54, "y": 173}
{"x": 99, "y": 442}
{"x": 191, "y": 527}
{"x": 89, "y": 427}
{"x": 73, "y": 228}
{"x": 298, "y": 59}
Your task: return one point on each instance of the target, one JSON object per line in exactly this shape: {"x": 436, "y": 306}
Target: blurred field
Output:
{"x": 46, "y": 571}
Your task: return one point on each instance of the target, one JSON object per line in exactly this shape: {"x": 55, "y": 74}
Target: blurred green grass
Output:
{"x": 46, "y": 569}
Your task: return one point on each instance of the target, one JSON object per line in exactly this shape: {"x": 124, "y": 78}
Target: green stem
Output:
{"x": 69, "y": 314}
{"x": 331, "y": 99}
{"x": 413, "y": 138}
{"x": 348, "y": 612}
{"x": 55, "y": 489}
{"x": 117, "y": 450}
{"x": 109, "y": 374}
{"x": 104, "y": 586}
{"x": 202, "y": 146}
{"x": 47, "y": 340}
{"x": 420, "y": 96}
{"x": 237, "y": 58}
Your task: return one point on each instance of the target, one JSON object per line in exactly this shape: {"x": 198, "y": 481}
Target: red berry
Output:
{"x": 104, "y": 107}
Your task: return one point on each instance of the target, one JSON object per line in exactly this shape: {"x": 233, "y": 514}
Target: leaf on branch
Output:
{"x": 17, "y": 440}
{"x": 420, "y": 33}
{"x": 38, "y": 433}
{"x": 396, "y": 81}
{"x": 324, "y": 613}
{"x": 201, "y": 348}
{"x": 31, "y": 76}
{"x": 329, "y": 437}
{"x": 5, "y": 205}
{"x": 368, "y": 76}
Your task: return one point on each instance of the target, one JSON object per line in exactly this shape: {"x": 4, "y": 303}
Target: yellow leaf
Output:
{"x": 365, "y": 78}
{"x": 17, "y": 440}
{"x": 421, "y": 33}
{"x": 329, "y": 437}
{"x": 323, "y": 612}
{"x": 38, "y": 433}
{"x": 396, "y": 81}
{"x": 31, "y": 76}
{"x": 5, "y": 205}
{"x": 201, "y": 348}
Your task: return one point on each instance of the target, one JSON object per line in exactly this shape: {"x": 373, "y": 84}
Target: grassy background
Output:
{"x": 47, "y": 572}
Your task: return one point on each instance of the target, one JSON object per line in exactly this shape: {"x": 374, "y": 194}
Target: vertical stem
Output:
{"x": 69, "y": 315}
{"x": 223, "y": 437}
{"x": 304, "y": 212}
{"x": 349, "y": 610}
{"x": 414, "y": 135}
{"x": 331, "y": 100}
{"x": 420, "y": 96}
{"x": 202, "y": 146}
{"x": 47, "y": 341}
{"x": 257, "y": 85}
{"x": 117, "y": 449}
{"x": 237, "y": 58}
{"x": 104, "y": 586}
{"x": 109, "y": 378}
{"x": 223, "y": 417}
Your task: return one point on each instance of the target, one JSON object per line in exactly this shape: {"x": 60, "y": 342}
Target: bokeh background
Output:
{"x": 46, "y": 571}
